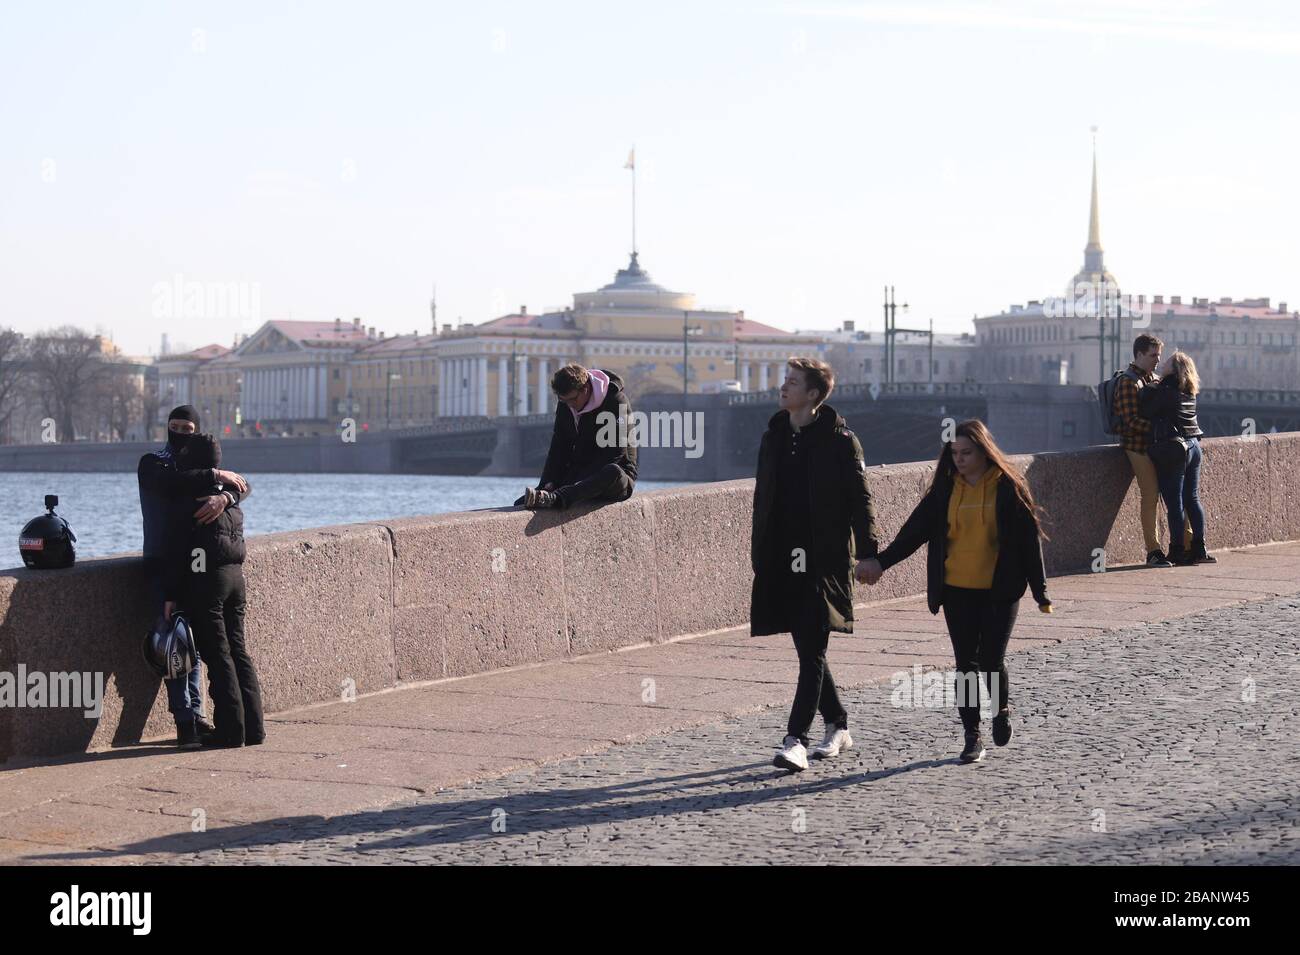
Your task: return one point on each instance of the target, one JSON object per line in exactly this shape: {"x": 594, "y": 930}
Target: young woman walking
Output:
{"x": 982, "y": 528}
{"x": 1176, "y": 452}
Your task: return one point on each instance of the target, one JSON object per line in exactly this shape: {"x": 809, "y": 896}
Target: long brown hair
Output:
{"x": 977, "y": 432}
{"x": 1183, "y": 370}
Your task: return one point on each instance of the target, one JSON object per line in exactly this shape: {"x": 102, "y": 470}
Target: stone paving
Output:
{"x": 663, "y": 753}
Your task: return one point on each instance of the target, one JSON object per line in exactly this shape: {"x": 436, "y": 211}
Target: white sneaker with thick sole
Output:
{"x": 836, "y": 741}
{"x": 793, "y": 756}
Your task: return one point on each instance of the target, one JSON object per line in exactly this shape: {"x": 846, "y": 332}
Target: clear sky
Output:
{"x": 792, "y": 157}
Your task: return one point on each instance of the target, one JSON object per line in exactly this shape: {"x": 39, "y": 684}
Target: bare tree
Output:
{"x": 67, "y": 365}
{"x": 13, "y": 373}
{"x": 118, "y": 400}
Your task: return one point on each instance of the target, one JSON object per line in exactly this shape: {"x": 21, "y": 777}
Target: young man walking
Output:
{"x": 812, "y": 517}
{"x": 1135, "y": 439}
{"x": 582, "y": 464}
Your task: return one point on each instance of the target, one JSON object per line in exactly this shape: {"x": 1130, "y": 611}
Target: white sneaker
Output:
{"x": 836, "y": 740}
{"x": 794, "y": 756}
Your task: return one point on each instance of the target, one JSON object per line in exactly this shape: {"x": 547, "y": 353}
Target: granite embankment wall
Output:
{"x": 379, "y": 605}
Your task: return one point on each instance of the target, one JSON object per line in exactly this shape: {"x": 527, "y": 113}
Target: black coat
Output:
{"x": 842, "y": 527}
{"x": 575, "y": 453}
{"x": 1020, "y": 552}
{"x": 1170, "y": 411}
{"x": 167, "y": 503}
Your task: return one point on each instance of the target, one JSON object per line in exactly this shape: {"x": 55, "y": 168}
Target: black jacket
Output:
{"x": 1020, "y": 552}
{"x": 167, "y": 504}
{"x": 575, "y": 453}
{"x": 842, "y": 527}
{"x": 1169, "y": 410}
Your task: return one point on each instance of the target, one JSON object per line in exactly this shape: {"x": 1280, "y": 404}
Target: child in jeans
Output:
{"x": 215, "y": 592}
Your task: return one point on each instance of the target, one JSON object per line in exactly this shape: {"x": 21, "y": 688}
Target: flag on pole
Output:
{"x": 631, "y": 160}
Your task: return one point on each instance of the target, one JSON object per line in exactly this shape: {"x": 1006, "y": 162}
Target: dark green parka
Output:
{"x": 843, "y": 525}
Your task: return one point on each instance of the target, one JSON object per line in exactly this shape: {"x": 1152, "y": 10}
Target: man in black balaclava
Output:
{"x": 167, "y": 501}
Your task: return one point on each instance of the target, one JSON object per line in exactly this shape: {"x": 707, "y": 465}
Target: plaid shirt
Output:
{"x": 1135, "y": 431}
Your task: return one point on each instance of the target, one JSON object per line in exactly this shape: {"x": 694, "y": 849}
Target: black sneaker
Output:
{"x": 205, "y": 726}
{"x": 974, "y": 749}
{"x": 187, "y": 734}
{"x": 1157, "y": 558}
{"x": 538, "y": 500}
{"x": 1199, "y": 555}
{"x": 220, "y": 742}
{"x": 1179, "y": 557}
{"x": 1002, "y": 728}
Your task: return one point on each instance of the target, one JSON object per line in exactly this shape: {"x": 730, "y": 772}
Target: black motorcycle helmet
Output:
{"x": 46, "y": 541}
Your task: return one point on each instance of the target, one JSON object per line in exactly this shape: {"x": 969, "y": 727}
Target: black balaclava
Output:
{"x": 175, "y": 440}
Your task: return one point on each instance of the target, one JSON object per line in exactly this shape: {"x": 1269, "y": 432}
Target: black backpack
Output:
{"x": 1110, "y": 423}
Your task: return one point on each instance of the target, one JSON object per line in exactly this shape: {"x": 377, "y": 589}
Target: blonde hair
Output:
{"x": 1183, "y": 369}
{"x": 816, "y": 374}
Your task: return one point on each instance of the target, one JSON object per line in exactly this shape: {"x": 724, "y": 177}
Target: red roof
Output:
{"x": 320, "y": 331}
{"x": 747, "y": 326}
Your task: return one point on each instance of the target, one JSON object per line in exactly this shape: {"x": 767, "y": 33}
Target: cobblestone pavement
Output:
{"x": 1169, "y": 743}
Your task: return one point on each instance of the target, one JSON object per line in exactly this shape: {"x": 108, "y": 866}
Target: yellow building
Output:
{"x": 656, "y": 339}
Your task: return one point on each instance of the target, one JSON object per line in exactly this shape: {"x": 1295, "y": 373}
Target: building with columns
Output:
{"x": 657, "y": 340}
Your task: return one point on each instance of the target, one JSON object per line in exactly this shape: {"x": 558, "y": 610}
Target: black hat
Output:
{"x": 185, "y": 413}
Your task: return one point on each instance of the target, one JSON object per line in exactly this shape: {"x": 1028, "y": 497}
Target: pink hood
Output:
{"x": 599, "y": 389}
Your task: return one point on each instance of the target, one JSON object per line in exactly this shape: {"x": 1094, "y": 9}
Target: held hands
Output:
{"x": 868, "y": 572}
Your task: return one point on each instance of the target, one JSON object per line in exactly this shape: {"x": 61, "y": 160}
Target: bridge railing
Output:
{"x": 864, "y": 390}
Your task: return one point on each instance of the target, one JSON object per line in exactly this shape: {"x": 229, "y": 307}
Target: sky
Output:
{"x": 341, "y": 158}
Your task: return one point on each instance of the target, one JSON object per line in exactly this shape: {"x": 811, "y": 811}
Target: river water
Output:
{"x": 103, "y": 509}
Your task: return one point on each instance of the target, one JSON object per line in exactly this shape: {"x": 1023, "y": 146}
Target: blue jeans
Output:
{"x": 184, "y": 694}
{"x": 1181, "y": 491}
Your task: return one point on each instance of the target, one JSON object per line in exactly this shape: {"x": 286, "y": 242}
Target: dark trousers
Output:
{"x": 815, "y": 692}
{"x": 610, "y": 483}
{"x": 979, "y": 628}
{"x": 1181, "y": 491}
{"x": 216, "y": 606}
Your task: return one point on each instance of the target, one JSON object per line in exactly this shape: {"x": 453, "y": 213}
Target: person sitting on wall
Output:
{"x": 582, "y": 464}
{"x": 167, "y": 496}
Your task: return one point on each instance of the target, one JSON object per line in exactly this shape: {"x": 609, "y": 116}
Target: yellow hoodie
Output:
{"x": 972, "y": 532}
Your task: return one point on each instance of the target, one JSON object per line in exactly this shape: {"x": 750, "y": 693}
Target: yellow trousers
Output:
{"x": 1149, "y": 493}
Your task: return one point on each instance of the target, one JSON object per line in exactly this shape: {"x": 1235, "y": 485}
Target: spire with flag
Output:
{"x": 631, "y": 164}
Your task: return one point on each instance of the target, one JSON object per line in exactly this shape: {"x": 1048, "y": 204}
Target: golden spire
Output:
{"x": 1094, "y": 222}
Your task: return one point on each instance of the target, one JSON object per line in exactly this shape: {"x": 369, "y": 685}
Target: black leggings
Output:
{"x": 979, "y": 627}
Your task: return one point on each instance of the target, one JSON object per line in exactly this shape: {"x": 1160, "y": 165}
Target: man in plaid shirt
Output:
{"x": 1135, "y": 439}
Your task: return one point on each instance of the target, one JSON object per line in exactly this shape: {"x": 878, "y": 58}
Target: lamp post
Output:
{"x": 891, "y": 331}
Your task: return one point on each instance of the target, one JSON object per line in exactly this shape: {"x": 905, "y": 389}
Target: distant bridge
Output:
{"x": 895, "y": 423}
